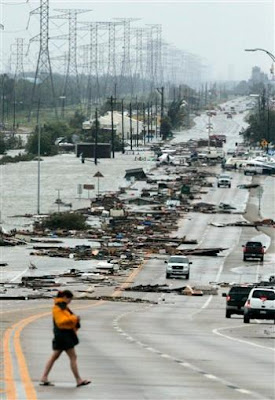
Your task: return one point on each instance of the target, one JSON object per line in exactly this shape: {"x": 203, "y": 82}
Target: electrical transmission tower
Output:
{"x": 111, "y": 78}
{"x": 72, "y": 72}
{"x": 92, "y": 52}
{"x": 158, "y": 54}
{"x": 138, "y": 61}
{"x": 126, "y": 69}
{"x": 19, "y": 64}
{"x": 154, "y": 69}
{"x": 43, "y": 72}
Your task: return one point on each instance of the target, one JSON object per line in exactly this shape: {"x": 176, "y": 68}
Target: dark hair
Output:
{"x": 65, "y": 293}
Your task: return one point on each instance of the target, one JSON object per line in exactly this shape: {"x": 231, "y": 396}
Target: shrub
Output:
{"x": 66, "y": 220}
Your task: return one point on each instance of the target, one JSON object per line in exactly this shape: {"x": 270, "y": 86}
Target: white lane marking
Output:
{"x": 167, "y": 356}
{"x": 18, "y": 276}
{"x": 243, "y": 391}
{"x": 216, "y": 331}
{"x": 151, "y": 349}
{"x": 209, "y": 376}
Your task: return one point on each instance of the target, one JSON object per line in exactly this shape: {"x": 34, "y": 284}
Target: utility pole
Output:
{"x": 151, "y": 113}
{"x": 161, "y": 92}
{"x": 38, "y": 168}
{"x": 144, "y": 123}
{"x": 96, "y": 135}
{"x": 148, "y": 121}
{"x": 112, "y": 126}
{"x": 137, "y": 122}
{"x": 156, "y": 117}
{"x": 3, "y": 98}
{"x": 209, "y": 128}
{"x": 58, "y": 200}
{"x": 122, "y": 126}
{"x": 131, "y": 127}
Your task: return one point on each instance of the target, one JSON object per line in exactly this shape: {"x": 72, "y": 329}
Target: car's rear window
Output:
{"x": 260, "y": 294}
{"x": 254, "y": 244}
{"x": 241, "y": 290}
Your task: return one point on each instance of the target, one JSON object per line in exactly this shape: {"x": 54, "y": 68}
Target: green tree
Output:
{"x": 47, "y": 148}
{"x": 48, "y": 135}
{"x": 66, "y": 220}
{"x": 261, "y": 126}
{"x": 177, "y": 113}
{"x": 165, "y": 128}
{"x": 77, "y": 120}
{"x": 2, "y": 144}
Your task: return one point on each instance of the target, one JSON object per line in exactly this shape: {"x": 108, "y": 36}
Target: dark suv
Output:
{"x": 253, "y": 250}
{"x": 236, "y": 298}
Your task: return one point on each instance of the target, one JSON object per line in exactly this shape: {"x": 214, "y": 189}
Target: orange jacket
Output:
{"x": 63, "y": 317}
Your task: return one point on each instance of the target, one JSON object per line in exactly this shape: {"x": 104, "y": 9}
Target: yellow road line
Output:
{"x": 128, "y": 281}
{"x": 8, "y": 368}
{"x": 23, "y": 368}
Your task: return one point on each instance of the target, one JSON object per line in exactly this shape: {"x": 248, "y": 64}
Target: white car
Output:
{"x": 178, "y": 266}
{"x": 224, "y": 180}
{"x": 260, "y": 304}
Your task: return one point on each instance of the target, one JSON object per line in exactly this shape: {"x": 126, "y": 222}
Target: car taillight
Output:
{"x": 247, "y": 304}
{"x": 244, "y": 249}
{"x": 228, "y": 298}
{"x": 262, "y": 250}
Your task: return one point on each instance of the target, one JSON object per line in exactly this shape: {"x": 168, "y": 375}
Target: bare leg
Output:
{"x": 73, "y": 361}
{"x": 50, "y": 364}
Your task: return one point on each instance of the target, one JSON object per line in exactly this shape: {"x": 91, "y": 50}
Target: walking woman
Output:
{"x": 65, "y": 326}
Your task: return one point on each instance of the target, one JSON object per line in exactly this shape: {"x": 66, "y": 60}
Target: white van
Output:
{"x": 215, "y": 154}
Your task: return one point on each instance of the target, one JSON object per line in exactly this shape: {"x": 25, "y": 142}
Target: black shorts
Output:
{"x": 65, "y": 340}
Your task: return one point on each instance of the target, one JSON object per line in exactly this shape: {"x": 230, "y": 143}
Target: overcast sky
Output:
{"x": 218, "y": 31}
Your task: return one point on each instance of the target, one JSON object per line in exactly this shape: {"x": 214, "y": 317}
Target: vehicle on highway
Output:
{"x": 178, "y": 266}
{"x": 229, "y": 116}
{"x": 230, "y": 151}
{"x": 252, "y": 169}
{"x": 260, "y": 304}
{"x": 253, "y": 250}
{"x": 215, "y": 154}
{"x": 236, "y": 298}
{"x": 224, "y": 180}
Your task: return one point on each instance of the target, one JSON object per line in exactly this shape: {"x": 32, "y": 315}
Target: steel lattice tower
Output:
{"x": 19, "y": 68}
{"x": 138, "y": 62}
{"x": 126, "y": 70}
{"x": 92, "y": 64}
{"x": 150, "y": 57}
{"x": 71, "y": 15}
{"x": 43, "y": 69}
{"x": 111, "y": 79}
{"x": 158, "y": 55}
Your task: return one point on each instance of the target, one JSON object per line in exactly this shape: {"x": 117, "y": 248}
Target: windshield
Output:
{"x": 178, "y": 260}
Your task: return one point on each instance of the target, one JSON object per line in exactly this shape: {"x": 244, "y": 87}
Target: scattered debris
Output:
{"x": 248, "y": 186}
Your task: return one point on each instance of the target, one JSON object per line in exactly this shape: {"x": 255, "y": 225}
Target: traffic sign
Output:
{"x": 264, "y": 142}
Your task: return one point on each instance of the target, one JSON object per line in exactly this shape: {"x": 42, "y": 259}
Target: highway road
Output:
{"x": 172, "y": 348}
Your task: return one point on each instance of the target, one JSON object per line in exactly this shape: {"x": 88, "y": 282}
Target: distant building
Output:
{"x": 87, "y": 150}
{"x": 257, "y": 76}
{"x": 105, "y": 124}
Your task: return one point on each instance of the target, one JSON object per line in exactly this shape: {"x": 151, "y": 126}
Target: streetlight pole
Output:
{"x": 265, "y": 51}
{"x": 268, "y": 53}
